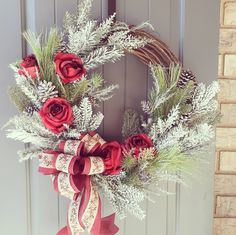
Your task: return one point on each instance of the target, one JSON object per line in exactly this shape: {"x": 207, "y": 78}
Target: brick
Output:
{"x": 225, "y": 206}
{"x": 230, "y": 65}
{"x": 225, "y": 138}
{"x": 227, "y": 40}
{"x": 228, "y": 112}
{"x": 230, "y": 13}
{"x": 224, "y": 226}
{"x": 225, "y": 184}
{"x": 227, "y": 90}
{"x": 227, "y": 162}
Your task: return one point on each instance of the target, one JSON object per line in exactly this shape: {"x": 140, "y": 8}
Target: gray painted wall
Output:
{"x": 190, "y": 28}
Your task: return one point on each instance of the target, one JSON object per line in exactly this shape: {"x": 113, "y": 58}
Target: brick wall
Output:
{"x": 225, "y": 175}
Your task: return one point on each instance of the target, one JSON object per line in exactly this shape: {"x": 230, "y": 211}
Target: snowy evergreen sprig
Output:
{"x": 123, "y": 198}
{"x": 85, "y": 120}
{"x": 29, "y": 88}
{"x": 97, "y": 43}
{"x": 203, "y": 100}
{"x": 102, "y": 55}
{"x": 131, "y": 123}
{"x": 27, "y": 154}
{"x": 83, "y": 13}
{"x": 30, "y": 129}
{"x": 98, "y": 91}
{"x": 172, "y": 120}
{"x": 103, "y": 94}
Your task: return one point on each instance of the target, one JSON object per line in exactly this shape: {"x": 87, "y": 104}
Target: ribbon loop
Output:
{"x": 68, "y": 185}
{"x": 73, "y": 147}
{"x": 93, "y": 165}
{"x": 90, "y": 144}
{"x": 47, "y": 161}
{"x": 67, "y": 163}
{"x": 71, "y": 166}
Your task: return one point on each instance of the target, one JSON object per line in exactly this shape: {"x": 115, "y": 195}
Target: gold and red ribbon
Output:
{"x": 72, "y": 166}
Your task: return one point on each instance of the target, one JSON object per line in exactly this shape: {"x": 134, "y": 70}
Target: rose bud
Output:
{"x": 112, "y": 157}
{"x": 55, "y": 113}
{"x": 138, "y": 142}
{"x": 69, "y": 67}
{"x": 29, "y": 65}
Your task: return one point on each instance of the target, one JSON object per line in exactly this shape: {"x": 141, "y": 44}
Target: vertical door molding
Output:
{"x": 200, "y": 54}
{"x": 39, "y": 17}
{"x": 13, "y": 195}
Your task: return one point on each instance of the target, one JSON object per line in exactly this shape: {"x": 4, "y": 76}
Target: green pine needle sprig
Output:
{"x": 131, "y": 123}
{"x": 171, "y": 161}
{"x": 44, "y": 49}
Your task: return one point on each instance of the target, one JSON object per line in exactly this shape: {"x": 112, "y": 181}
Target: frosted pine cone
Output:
{"x": 182, "y": 119}
{"x": 30, "y": 110}
{"x": 185, "y": 77}
{"x": 46, "y": 90}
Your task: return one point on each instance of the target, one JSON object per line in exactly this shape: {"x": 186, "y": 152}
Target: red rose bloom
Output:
{"x": 55, "y": 113}
{"x": 138, "y": 142}
{"x": 69, "y": 67}
{"x": 112, "y": 156}
{"x": 30, "y": 65}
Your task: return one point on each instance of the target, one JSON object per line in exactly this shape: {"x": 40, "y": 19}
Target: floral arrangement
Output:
{"x": 55, "y": 94}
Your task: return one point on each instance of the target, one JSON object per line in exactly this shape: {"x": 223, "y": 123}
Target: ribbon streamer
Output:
{"x": 72, "y": 166}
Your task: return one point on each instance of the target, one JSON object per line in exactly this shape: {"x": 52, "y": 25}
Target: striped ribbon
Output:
{"x": 71, "y": 173}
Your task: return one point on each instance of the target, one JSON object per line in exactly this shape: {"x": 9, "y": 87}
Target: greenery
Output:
{"x": 165, "y": 86}
{"x": 18, "y": 98}
{"x": 96, "y": 43}
{"x": 131, "y": 123}
{"x": 44, "y": 48}
{"x": 149, "y": 162}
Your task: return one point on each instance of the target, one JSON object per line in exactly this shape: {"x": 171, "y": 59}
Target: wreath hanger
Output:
{"x": 111, "y": 7}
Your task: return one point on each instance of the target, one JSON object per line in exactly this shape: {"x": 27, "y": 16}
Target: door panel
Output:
{"x": 190, "y": 29}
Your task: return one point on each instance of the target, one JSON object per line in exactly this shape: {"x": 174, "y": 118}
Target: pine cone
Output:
{"x": 46, "y": 90}
{"x": 183, "y": 118}
{"x": 30, "y": 110}
{"x": 185, "y": 77}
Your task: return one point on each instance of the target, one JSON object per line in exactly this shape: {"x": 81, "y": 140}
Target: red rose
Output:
{"x": 55, "y": 113}
{"x": 137, "y": 142}
{"x": 30, "y": 65}
{"x": 112, "y": 156}
{"x": 69, "y": 67}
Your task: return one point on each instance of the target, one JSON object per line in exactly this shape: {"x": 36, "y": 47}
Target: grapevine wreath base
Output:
{"x": 56, "y": 92}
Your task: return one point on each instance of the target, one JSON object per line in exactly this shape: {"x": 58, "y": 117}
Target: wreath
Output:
{"x": 56, "y": 91}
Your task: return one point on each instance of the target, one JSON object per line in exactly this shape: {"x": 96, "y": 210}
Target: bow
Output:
{"x": 72, "y": 166}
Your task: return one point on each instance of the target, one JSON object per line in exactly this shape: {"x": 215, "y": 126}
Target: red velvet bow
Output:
{"x": 72, "y": 171}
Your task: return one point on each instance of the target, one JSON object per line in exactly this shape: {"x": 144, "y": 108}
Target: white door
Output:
{"x": 190, "y": 27}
